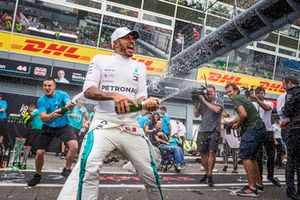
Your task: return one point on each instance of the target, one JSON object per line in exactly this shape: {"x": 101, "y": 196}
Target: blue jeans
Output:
{"x": 177, "y": 151}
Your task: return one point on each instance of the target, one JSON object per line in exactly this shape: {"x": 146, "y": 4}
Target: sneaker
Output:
{"x": 63, "y": 156}
{"x": 260, "y": 188}
{"x": 275, "y": 181}
{"x": 247, "y": 191}
{"x": 235, "y": 171}
{"x": 35, "y": 180}
{"x": 203, "y": 179}
{"x": 177, "y": 168}
{"x": 202, "y": 168}
{"x": 210, "y": 181}
{"x": 108, "y": 160}
{"x": 115, "y": 159}
{"x": 225, "y": 168}
{"x": 215, "y": 170}
{"x": 66, "y": 172}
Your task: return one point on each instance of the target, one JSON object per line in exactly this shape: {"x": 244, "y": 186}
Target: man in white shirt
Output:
{"x": 114, "y": 81}
{"x": 283, "y": 119}
{"x": 181, "y": 130}
{"x": 265, "y": 111}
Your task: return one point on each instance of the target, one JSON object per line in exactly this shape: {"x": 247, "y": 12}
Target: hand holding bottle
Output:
{"x": 151, "y": 104}
{"x": 122, "y": 103}
{"x": 57, "y": 113}
{"x": 70, "y": 105}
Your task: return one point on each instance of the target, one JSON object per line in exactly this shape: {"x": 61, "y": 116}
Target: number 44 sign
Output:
{"x": 22, "y": 68}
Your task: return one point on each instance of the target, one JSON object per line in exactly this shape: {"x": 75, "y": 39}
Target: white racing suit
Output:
{"x": 106, "y": 134}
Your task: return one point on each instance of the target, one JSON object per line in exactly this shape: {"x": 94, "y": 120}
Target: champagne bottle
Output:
{"x": 63, "y": 110}
{"x": 132, "y": 107}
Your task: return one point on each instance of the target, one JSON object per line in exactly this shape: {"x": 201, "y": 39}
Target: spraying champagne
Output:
{"x": 73, "y": 102}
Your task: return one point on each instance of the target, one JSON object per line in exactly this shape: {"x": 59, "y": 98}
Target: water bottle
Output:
{"x": 132, "y": 107}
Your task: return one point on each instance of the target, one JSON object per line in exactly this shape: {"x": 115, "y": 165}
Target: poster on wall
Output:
{"x": 68, "y": 76}
{"x": 24, "y": 69}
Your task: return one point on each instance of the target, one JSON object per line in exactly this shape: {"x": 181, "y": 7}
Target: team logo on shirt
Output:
{"x": 118, "y": 88}
{"x": 136, "y": 74}
{"x": 109, "y": 75}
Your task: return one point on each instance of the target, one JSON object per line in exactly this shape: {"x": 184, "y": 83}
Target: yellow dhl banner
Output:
{"x": 65, "y": 51}
{"x": 218, "y": 77}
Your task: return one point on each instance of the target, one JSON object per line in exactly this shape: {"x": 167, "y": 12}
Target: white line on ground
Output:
{"x": 129, "y": 173}
{"x": 3, "y": 184}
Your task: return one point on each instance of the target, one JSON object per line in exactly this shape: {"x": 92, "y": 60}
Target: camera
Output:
{"x": 248, "y": 91}
{"x": 198, "y": 91}
{"x": 228, "y": 128}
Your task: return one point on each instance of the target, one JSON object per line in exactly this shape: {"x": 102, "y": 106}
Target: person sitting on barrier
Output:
{"x": 161, "y": 141}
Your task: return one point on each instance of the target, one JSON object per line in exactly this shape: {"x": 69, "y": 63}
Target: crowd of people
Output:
{"x": 115, "y": 124}
{"x": 257, "y": 132}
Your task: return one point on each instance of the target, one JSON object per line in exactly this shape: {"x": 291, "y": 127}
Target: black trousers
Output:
{"x": 279, "y": 152}
{"x": 269, "y": 145}
{"x": 293, "y": 158}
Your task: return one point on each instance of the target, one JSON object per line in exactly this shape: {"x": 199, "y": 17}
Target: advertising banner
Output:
{"x": 218, "y": 77}
{"x": 24, "y": 69}
{"x": 69, "y": 76}
{"x": 66, "y": 51}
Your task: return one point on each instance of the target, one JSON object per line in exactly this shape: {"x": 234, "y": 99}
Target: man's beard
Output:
{"x": 122, "y": 49}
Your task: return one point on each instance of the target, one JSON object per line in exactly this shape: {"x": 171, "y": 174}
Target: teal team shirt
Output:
{"x": 3, "y": 105}
{"x": 173, "y": 141}
{"x": 142, "y": 120}
{"x": 165, "y": 123}
{"x": 92, "y": 116}
{"x": 76, "y": 122}
{"x": 36, "y": 120}
{"x": 50, "y": 104}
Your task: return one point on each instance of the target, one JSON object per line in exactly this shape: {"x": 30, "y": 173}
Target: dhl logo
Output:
{"x": 70, "y": 52}
{"x": 148, "y": 64}
{"x": 272, "y": 86}
{"x": 218, "y": 77}
{"x": 53, "y": 49}
{"x": 227, "y": 78}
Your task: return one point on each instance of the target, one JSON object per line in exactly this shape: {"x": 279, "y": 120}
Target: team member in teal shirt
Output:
{"x": 36, "y": 128}
{"x": 3, "y": 107}
{"x": 55, "y": 126}
{"x": 166, "y": 121}
{"x": 76, "y": 116}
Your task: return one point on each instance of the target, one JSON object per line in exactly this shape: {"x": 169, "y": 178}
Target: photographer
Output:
{"x": 253, "y": 132}
{"x": 210, "y": 107}
{"x": 292, "y": 111}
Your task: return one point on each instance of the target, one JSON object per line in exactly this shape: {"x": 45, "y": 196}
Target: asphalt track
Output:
{"x": 124, "y": 185}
